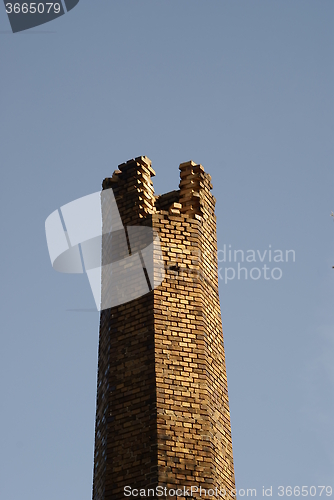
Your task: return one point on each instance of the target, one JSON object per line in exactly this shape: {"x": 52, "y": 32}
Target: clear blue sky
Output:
{"x": 246, "y": 89}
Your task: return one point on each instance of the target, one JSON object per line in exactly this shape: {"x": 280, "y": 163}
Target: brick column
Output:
{"x": 162, "y": 387}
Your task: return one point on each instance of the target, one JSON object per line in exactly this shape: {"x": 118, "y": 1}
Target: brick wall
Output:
{"x": 162, "y": 403}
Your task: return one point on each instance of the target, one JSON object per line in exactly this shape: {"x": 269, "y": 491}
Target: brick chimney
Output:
{"x": 162, "y": 415}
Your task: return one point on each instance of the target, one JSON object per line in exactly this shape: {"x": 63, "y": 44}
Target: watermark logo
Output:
{"x": 241, "y": 263}
{"x": 24, "y": 15}
{"x": 188, "y": 491}
{"x": 87, "y": 235}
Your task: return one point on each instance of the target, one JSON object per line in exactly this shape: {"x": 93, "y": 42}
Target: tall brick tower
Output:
{"x": 162, "y": 414}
